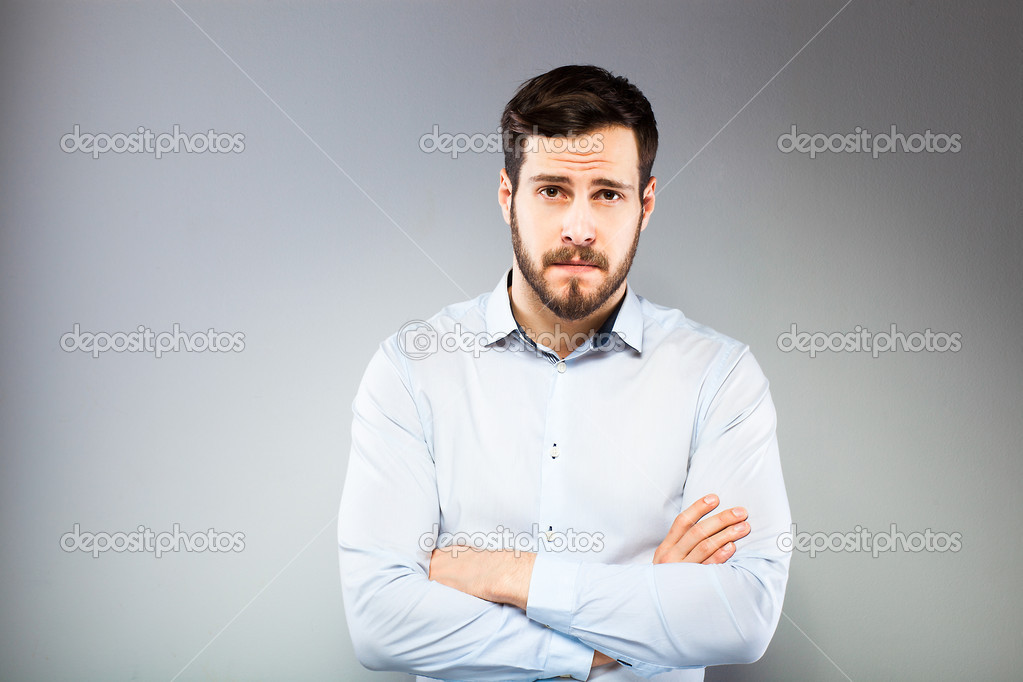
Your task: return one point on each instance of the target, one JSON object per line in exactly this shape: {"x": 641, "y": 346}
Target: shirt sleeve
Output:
{"x": 654, "y": 618}
{"x": 397, "y": 618}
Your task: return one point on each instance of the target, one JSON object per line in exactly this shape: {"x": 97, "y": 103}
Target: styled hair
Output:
{"x": 576, "y": 100}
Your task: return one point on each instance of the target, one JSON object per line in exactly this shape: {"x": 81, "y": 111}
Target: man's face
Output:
{"x": 576, "y": 217}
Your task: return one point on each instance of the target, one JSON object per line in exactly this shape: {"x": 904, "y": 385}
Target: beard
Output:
{"x": 573, "y": 305}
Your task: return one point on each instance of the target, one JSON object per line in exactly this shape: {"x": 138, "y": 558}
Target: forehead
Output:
{"x": 610, "y": 151}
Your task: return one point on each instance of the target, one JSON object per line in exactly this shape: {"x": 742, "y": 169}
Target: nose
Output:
{"x": 579, "y": 226}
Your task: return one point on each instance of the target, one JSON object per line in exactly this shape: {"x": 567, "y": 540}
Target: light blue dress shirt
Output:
{"x": 464, "y": 434}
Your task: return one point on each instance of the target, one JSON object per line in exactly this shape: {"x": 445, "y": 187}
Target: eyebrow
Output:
{"x": 565, "y": 180}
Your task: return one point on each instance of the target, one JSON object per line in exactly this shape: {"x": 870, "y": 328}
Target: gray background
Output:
{"x": 332, "y": 228}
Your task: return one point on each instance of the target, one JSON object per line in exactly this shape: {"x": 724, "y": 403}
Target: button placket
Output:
{"x": 554, "y": 484}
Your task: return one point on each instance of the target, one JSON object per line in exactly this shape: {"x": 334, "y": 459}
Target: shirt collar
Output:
{"x": 500, "y": 320}
{"x": 628, "y": 324}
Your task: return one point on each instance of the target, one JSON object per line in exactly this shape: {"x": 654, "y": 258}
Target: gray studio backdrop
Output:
{"x": 318, "y": 226}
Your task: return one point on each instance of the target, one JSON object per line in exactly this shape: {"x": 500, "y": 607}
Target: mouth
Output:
{"x": 575, "y": 265}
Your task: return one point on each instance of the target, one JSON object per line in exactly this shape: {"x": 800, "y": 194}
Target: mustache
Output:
{"x": 584, "y": 254}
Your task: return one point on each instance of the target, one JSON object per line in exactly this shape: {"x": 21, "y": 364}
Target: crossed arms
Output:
{"x": 503, "y": 576}
{"x": 702, "y": 601}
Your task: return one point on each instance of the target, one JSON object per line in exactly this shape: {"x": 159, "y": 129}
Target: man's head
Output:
{"x": 576, "y": 188}
{"x": 572, "y": 100}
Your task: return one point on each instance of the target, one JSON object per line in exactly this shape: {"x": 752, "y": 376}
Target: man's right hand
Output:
{"x": 695, "y": 539}
{"x": 692, "y": 540}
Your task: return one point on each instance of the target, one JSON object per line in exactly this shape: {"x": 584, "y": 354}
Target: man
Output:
{"x": 537, "y": 475}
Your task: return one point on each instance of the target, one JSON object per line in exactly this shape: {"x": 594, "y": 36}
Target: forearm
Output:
{"x": 401, "y": 621}
{"x": 650, "y": 617}
{"x": 657, "y": 618}
{"x": 654, "y": 617}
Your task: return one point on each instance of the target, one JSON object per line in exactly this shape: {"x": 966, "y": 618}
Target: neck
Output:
{"x": 544, "y": 327}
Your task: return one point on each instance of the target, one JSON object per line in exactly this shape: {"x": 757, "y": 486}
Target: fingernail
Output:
{"x": 739, "y": 511}
{"x": 710, "y": 499}
{"x": 741, "y": 527}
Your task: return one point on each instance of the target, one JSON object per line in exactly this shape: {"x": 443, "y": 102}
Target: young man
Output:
{"x": 533, "y": 472}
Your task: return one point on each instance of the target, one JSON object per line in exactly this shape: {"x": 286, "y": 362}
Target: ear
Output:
{"x": 648, "y": 201}
{"x": 504, "y": 195}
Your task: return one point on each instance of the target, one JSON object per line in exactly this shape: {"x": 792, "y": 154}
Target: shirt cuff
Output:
{"x": 568, "y": 657}
{"x": 552, "y": 591}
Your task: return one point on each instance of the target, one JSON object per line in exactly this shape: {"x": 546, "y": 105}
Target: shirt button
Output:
{"x": 562, "y": 367}
{"x": 554, "y": 452}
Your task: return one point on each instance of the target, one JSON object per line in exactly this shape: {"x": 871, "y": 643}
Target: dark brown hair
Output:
{"x": 575, "y": 100}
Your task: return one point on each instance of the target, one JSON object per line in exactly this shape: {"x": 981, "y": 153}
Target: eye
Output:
{"x": 550, "y": 192}
{"x": 609, "y": 195}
